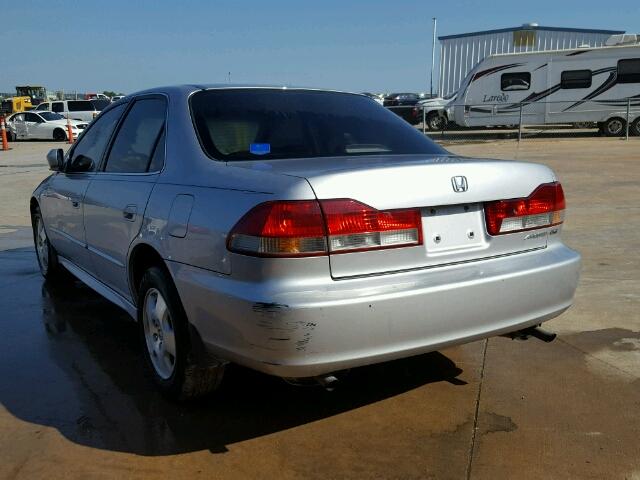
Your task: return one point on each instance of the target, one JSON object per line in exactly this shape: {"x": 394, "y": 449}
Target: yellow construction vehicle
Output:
{"x": 36, "y": 93}
{"x": 15, "y": 104}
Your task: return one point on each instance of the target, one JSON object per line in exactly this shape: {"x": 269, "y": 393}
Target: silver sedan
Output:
{"x": 298, "y": 232}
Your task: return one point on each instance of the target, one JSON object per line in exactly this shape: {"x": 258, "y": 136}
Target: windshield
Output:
{"x": 48, "y": 116}
{"x": 258, "y": 124}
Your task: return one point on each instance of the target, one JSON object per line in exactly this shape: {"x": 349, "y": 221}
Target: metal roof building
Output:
{"x": 460, "y": 53}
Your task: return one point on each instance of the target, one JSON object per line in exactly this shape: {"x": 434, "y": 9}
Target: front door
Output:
{"x": 33, "y": 123}
{"x": 20, "y": 126}
{"x": 62, "y": 200}
{"x": 117, "y": 197}
{"x": 62, "y": 205}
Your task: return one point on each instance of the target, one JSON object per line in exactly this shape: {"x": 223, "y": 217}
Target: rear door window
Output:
{"x": 93, "y": 142}
{"x": 80, "y": 106}
{"x": 32, "y": 117}
{"x": 138, "y": 138}
{"x": 513, "y": 81}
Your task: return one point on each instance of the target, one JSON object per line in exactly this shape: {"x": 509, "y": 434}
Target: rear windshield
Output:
{"x": 258, "y": 124}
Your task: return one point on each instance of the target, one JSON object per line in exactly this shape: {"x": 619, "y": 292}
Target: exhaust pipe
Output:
{"x": 537, "y": 332}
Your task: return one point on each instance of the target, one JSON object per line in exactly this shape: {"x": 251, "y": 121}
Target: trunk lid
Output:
{"x": 453, "y": 224}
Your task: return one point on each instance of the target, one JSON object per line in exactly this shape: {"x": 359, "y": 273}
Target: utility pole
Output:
{"x": 229, "y": 77}
{"x": 433, "y": 53}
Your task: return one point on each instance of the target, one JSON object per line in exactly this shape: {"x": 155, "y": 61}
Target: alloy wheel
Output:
{"x": 42, "y": 245}
{"x": 159, "y": 333}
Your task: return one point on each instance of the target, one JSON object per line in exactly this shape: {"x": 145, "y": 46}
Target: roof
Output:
{"x": 533, "y": 27}
{"x": 188, "y": 88}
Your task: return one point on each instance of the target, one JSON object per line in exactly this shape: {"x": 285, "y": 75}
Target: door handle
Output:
{"x": 130, "y": 212}
{"x": 75, "y": 201}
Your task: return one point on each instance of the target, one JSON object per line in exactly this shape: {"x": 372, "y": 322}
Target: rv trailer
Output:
{"x": 594, "y": 85}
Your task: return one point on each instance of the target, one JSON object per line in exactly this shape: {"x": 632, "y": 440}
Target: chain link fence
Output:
{"x": 618, "y": 118}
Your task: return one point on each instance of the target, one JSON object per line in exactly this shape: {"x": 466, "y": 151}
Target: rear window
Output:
{"x": 80, "y": 106}
{"x": 515, "y": 81}
{"x": 570, "y": 79}
{"x": 629, "y": 70}
{"x": 258, "y": 124}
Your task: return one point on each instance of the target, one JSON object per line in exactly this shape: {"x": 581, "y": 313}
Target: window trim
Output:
{"x": 518, "y": 89}
{"x": 562, "y": 81}
{"x": 131, "y": 102}
{"x": 618, "y": 70}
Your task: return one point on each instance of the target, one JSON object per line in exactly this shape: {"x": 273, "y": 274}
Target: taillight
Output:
{"x": 310, "y": 228}
{"x": 282, "y": 228}
{"x": 353, "y": 226}
{"x": 543, "y": 208}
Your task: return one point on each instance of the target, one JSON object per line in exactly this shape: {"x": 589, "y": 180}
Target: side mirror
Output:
{"x": 81, "y": 164}
{"x": 55, "y": 159}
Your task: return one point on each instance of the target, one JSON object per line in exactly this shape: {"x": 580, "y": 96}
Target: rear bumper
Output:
{"x": 348, "y": 323}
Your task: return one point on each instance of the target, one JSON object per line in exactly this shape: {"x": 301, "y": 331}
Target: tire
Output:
{"x": 166, "y": 345}
{"x": 635, "y": 127}
{"x": 614, "y": 127}
{"x": 59, "y": 135}
{"x": 435, "y": 122}
{"x": 50, "y": 267}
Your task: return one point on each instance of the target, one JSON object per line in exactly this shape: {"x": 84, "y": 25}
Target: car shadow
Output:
{"x": 80, "y": 371}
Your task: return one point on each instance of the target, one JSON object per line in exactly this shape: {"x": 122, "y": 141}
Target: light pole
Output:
{"x": 433, "y": 54}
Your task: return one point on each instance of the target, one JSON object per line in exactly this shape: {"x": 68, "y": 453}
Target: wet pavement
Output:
{"x": 75, "y": 401}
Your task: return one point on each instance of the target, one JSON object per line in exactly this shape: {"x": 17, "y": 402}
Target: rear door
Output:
{"x": 82, "y": 110}
{"x": 116, "y": 199}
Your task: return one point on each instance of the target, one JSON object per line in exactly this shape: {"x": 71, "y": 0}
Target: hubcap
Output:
{"x": 159, "y": 333}
{"x": 42, "y": 245}
{"x": 615, "y": 126}
{"x": 435, "y": 124}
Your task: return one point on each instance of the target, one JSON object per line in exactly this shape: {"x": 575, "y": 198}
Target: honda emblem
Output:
{"x": 459, "y": 184}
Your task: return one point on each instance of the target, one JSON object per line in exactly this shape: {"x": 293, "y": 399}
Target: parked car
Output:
{"x": 297, "y": 232}
{"x": 42, "y": 125}
{"x": 434, "y": 112}
{"x": 402, "y": 104}
{"x": 82, "y": 110}
{"x": 115, "y": 98}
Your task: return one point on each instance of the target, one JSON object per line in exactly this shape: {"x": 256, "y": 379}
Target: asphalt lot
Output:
{"x": 76, "y": 403}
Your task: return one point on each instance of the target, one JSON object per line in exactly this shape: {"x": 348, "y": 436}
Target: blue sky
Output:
{"x": 360, "y": 46}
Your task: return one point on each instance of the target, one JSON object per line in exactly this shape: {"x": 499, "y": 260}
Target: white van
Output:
{"x": 565, "y": 86}
{"x": 82, "y": 110}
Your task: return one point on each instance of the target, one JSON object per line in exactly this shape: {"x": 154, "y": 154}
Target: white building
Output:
{"x": 460, "y": 53}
